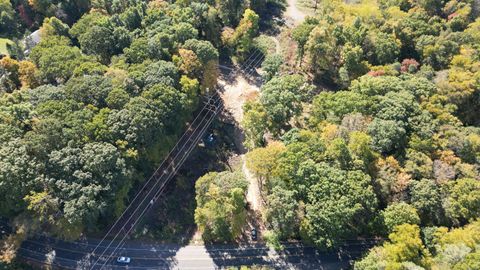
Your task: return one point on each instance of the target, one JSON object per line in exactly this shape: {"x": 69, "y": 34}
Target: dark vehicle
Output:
{"x": 210, "y": 140}
{"x": 254, "y": 234}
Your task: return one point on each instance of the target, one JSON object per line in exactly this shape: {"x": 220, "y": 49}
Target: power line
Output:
{"x": 252, "y": 69}
{"x": 287, "y": 245}
{"x": 149, "y": 180}
{"x": 165, "y": 171}
{"x": 212, "y": 108}
{"x": 155, "y": 172}
{"x": 159, "y": 191}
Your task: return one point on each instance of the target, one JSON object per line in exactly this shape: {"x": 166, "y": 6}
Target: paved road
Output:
{"x": 71, "y": 255}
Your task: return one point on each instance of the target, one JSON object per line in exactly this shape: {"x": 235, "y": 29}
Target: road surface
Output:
{"x": 70, "y": 255}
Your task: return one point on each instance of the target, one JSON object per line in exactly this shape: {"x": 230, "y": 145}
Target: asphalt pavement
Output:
{"x": 43, "y": 250}
{"x": 74, "y": 255}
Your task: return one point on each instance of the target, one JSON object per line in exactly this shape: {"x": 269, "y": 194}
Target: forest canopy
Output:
{"x": 97, "y": 100}
{"x": 372, "y": 131}
{"x": 377, "y": 136}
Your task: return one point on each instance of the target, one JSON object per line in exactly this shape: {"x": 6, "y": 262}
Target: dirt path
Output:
{"x": 235, "y": 93}
{"x": 293, "y": 13}
{"x": 234, "y": 96}
{"x": 277, "y": 45}
{"x": 253, "y": 193}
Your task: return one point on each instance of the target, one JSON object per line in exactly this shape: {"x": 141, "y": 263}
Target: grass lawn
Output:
{"x": 3, "y": 45}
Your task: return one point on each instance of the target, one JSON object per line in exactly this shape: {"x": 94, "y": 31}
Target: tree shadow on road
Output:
{"x": 235, "y": 255}
{"x": 293, "y": 256}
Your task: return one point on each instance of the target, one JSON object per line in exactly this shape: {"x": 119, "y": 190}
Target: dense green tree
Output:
{"x": 463, "y": 203}
{"x": 89, "y": 89}
{"x": 132, "y": 17}
{"x": 282, "y": 212}
{"x": 301, "y": 33}
{"x": 204, "y": 50}
{"x": 56, "y": 59}
{"x": 162, "y": 72}
{"x": 184, "y": 31}
{"x": 282, "y": 99}
{"x": 88, "y": 19}
{"x": 332, "y": 106}
{"x": 387, "y": 135}
{"x": 230, "y": 11}
{"x": 85, "y": 178}
{"x": 89, "y": 68}
{"x": 98, "y": 40}
{"x": 397, "y": 106}
{"x": 18, "y": 172}
{"x": 53, "y": 26}
{"x": 137, "y": 123}
{"x": 383, "y": 48}
{"x": 45, "y": 93}
{"x": 138, "y": 51}
{"x": 98, "y": 35}
{"x": 372, "y": 86}
{"x": 7, "y": 17}
{"x": 427, "y": 199}
{"x": 117, "y": 98}
{"x": 399, "y": 213}
{"x": 336, "y": 201}
{"x": 271, "y": 66}
{"x": 296, "y": 166}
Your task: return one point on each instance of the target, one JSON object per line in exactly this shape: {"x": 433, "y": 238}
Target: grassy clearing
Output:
{"x": 3, "y": 45}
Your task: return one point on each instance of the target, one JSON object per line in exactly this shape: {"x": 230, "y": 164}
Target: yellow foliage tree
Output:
{"x": 405, "y": 246}
{"x": 28, "y": 74}
{"x": 188, "y": 62}
{"x": 263, "y": 161}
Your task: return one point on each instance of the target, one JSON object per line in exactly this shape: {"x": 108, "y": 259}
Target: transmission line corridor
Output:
{"x": 113, "y": 241}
